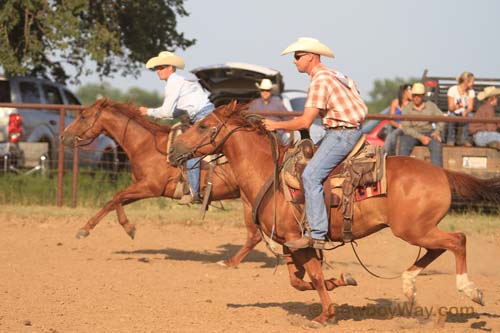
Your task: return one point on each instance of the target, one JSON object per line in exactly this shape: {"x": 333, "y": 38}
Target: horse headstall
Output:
{"x": 212, "y": 135}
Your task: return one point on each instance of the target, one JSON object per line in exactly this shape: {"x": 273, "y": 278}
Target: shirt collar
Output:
{"x": 316, "y": 69}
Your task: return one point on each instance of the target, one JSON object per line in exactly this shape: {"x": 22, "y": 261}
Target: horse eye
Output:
{"x": 202, "y": 126}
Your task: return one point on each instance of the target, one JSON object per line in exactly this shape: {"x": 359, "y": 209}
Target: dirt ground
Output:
{"x": 167, "y": 280}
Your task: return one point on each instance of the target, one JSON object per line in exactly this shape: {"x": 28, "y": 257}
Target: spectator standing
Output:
{"x": 425, "y": 132}
{"x": 460, "y": 103}
{"x": 268, "y": 102}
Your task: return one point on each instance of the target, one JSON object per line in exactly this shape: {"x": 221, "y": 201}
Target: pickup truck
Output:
{"x": 30, "y": 137}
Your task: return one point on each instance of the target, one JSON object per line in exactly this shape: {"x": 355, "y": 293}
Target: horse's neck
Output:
{"x": 250, "y": 157}
{"x": 132, "y": 137}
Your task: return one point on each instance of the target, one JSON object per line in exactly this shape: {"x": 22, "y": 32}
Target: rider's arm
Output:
{"x": 172, "y": 93}
{"x": 297, "y": 123}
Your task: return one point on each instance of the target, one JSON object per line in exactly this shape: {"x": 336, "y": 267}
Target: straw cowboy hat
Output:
{"x": 166, "y": 58}
{"x": 265, "y": 84}
{"x": 418, "y": 89}
{"x": 488, "y": 92}
{"x": 308, "y": 44}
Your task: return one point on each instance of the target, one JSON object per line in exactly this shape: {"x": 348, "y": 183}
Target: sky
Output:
{"x": 371, "y": 39}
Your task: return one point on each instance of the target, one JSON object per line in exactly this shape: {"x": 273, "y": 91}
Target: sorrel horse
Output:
{"x": 418, "y": 197}
{"x": 153, "y": 176}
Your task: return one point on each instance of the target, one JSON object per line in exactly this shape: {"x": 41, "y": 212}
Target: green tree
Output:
{"x": 384, "y": 91}
{"x": 46, "y": 38}
{"x": 90, "y": 92}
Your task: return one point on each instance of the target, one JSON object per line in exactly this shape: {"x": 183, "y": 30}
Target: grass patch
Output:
{"x": 472, "y": 222}
{"x": 37, "y": 196}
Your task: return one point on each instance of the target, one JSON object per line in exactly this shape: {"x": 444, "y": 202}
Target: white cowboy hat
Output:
{"x": 418, "y": 89}
{"x": 488, "y": 92}
{"x": 265, "y": 84}
{"x": 308, "y": 44}
{"x": 166, "y": 58}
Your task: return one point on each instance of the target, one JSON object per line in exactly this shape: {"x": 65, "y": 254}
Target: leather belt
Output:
{"x": 341, "y": 128}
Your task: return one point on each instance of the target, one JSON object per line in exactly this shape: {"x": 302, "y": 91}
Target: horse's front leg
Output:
{"x": 308, "y": 259}
{"x": 134, "y": 192}
{"x": 296, "y": 273}
{"x": 253, "y": 237}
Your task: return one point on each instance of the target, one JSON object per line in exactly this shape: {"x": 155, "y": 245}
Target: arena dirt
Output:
{"x": 167, "y": 280}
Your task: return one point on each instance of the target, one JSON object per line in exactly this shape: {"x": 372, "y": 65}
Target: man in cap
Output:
{"x": 335, "y": 98}
{"x": 486, "y": 134}
{"x": 427, "y": 132}
{"x": 182, "y": 98}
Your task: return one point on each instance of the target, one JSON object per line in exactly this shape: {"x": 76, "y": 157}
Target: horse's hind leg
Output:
{"x": 296, "y": 273}
{"x": 409, "y": 276}
{"x": 436, "y": 242}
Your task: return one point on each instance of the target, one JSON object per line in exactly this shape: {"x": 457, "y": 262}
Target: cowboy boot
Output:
{"x": 306, "y": 242}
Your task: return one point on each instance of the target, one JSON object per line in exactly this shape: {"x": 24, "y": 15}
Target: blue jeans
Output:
{"x": 451, "y": 138}
{"x": 391, "y": 141}
{"x": 483, "y": 138}
{"x": 334, "y": 147}
{"x": 406, "y": 144}
{"x": 193, "y": 165}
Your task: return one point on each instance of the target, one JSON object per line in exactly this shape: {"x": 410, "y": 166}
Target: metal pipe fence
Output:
{"x": 123, "y": 165}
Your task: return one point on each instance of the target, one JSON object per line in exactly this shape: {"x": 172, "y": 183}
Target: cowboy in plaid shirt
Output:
{"x": 335, "y": 98}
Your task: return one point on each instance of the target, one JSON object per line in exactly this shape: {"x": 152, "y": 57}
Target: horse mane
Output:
{"x": 131, "y": 111}
{"x": 240, "y": 115}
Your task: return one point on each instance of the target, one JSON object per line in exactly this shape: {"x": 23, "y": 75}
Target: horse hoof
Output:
{"x": 411, "y": 295}
{"x": 349, "y": 279}
{"x": 222, "y": 263}
{"x": 315, "y": 324}
{"x": 82, "y": 234}
{"x": 131, "y": 233}
{"x": 478, "y": 297}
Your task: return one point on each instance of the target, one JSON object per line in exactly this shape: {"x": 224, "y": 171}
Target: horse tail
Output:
{"x": 470, "y": 187}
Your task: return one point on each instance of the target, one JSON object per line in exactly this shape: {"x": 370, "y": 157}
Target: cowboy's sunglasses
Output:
{"x": 297, "y": 56}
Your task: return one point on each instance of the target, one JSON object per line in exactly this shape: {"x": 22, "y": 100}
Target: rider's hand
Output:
{"x": 425, "y": 140}
{"x": 143, "y": 111}
{"x": 270, "y": 125}
{"x": 436, "y": 136}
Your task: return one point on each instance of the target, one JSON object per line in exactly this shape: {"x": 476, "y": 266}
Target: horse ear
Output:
{"x": 231, "y": 107}
{"x": 100, "y": 103}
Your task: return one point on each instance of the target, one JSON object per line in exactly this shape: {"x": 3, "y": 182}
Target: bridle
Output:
{"x": 96, "y": 118}
{"x": 211, "y": 136}
{"x": 78, "y": 137}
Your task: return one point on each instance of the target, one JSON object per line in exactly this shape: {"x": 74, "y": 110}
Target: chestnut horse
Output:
{"x": 418, "y": 197}
{"x": 145, "y": 144}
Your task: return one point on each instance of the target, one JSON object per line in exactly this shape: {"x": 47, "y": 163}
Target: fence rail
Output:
{"x": 75, "y": 164}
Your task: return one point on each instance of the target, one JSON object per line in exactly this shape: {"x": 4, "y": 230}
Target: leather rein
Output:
{"x": 96, "y": 118}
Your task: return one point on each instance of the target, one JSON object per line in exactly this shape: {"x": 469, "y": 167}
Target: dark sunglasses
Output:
{"x": 297, "y": 56}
